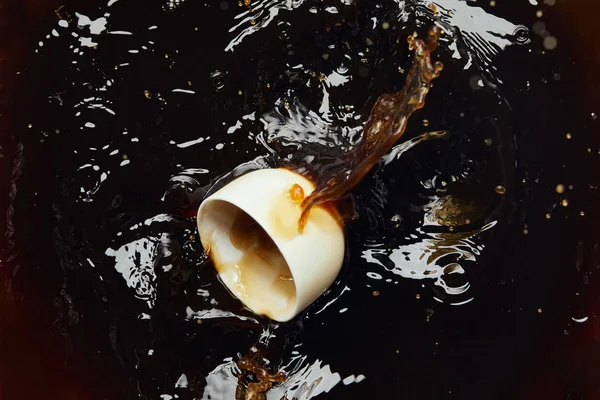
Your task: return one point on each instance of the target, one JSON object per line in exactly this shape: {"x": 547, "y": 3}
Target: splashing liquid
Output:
{"x": 385, "y": 126}
{"x": 142, "y": 109}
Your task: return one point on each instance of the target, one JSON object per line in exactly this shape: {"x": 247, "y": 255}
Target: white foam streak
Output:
{"x": 134, "y": 261}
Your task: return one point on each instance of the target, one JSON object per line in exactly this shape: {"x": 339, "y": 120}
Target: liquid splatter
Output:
{"x": 139, "y": 129}
{"x": 385, "y": 126}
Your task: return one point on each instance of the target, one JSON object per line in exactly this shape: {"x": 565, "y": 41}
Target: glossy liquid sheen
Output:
{"x": 471, "y": 242}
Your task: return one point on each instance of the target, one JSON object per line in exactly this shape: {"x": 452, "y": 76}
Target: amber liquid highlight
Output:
{"x": 385, "y": 126}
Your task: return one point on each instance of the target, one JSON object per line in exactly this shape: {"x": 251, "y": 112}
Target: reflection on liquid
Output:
{"x": 305, "y": 381}
{"x": 123, "y": 132}
{"x": 135, "y": 262}
{"x": 429, "y": 255}
{"x": 476, "y": 34}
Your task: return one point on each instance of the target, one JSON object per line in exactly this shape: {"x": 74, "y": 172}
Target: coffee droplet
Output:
{"x": 564, "y": 203}
{"x": 500, "y": 189}
{"x": 550, "y": 42}
{"x": 297, "y": 193}
{"x": 375, "y": 293}
{"x": 425, "y": 122}
{"x": 560, "y": 189}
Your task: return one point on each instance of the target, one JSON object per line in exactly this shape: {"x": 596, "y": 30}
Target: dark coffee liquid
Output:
{"x": 468, "y": 275}
{"x": 386, "y": 124}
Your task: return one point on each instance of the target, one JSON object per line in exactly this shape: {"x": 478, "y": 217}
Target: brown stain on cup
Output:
{"x": 260, "y": 276}
{"x": 286, "y": 210}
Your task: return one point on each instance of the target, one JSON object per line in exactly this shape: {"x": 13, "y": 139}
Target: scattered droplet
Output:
{"x": 342, "y": 69}
{"x": 375, "y": 293}
{"x": 560, "y": 188}
{"x": 425, "y": 122}
{"x": 475, "y": 82}
{"x": 30, "y": 126}
{"x": 548, "y": 216}
{"x": 538, "y": 28}
{"x": 488, "y": 142}
{"x": 550, "y": 42}
{"x": 385, "y": 25}
{"x": 492, "y": 3}
{"x": 539, "y": 310}
{"x": 582, "y": 213}
{"x": 218, "y": 80}
{"x": 284, "y": 30}
{"x": 539, "y": 14}
{"x": 568, "y": 136}
{"x": 594, "y": 116}
{"x": 500, "y": 189}
{"x": 564, "y": 202}
{"x": 418, "y": 296}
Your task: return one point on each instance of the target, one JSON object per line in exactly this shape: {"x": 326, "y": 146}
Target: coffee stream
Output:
{"x": 386, "y": 124}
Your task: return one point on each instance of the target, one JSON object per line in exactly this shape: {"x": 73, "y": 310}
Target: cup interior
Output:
{"x": 247, "y": 259}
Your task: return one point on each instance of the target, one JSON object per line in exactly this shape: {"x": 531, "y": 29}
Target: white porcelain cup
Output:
{"x": 250, "y": 229}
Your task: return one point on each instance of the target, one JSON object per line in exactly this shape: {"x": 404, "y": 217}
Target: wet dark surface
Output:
{"x": 73, "y": 325}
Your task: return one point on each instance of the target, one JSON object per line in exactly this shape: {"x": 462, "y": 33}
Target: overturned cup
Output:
{"x": 250, "y": 229}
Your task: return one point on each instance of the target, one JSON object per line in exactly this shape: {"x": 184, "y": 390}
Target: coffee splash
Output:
{"x": 387, "y": 123}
